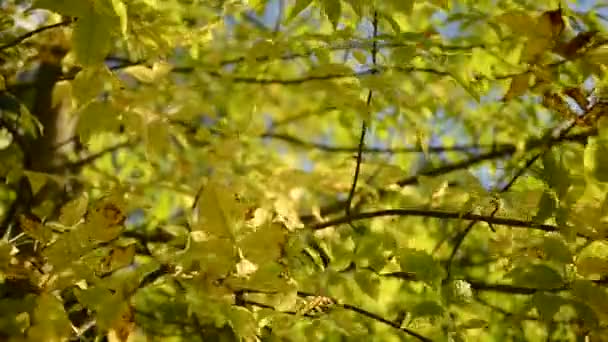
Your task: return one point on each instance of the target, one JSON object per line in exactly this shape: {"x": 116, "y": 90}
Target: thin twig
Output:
{"x": 441, "y": 214}
{"x": 350, "y": 149}
{"x": 29, "y": 34}
{"x": 361, "y": 145}
{"x": 75, "y": 165}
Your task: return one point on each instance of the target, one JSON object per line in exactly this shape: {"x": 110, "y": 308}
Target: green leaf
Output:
{"x": 90, "y": 83}
{"x": 357, "y": 5}
{"x": 74, "y": 210}
{"x": 51, "y": 322}
{"x": 428, "y": 308}
{"x": 596, "y": 159}
{"x": 403, "y": 6}
{"x": 92, "y": 37}
{"x": 422, "y": 264}
{"x": 96, "y": 117}
{"x": 72, "y": 8}
{"x": 298, "y": 7}
{"x": 5, "y": 254}
{"x": 518, "y": 86}
{"x": 120, "y": 9}
{"x": 158, "y": 139}
{"x": 333, "y": 11}
{"x": 591, "y": 265}
{"x": 218, "y": 211}
{"x": 536, "y": 276}
{"x": 473, "y": 324}
{"x": 546, "y": 207}
{"x": 555, "y": 174}
{"x": 594, "y": 296}
{"x": 556, "y": 249}
{"x": 368, "y": 282}
{"x": 547, "y": 305}
{"x": 265, "y": 244}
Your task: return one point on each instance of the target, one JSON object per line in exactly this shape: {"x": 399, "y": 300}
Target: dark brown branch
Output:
{"x": 30, "y": 34}
{"x": 440, "y": 214}
{"x": 396, "y": 325}
{"x": 346, "y": 149}
{"x": 75, "y": 165}
{"x": 348, "y": 307}
{"x": 368, "y": 103}
{"x": 461, "y": 165}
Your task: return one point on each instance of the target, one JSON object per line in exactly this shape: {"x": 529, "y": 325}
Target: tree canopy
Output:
{"x": 303, "y": 170}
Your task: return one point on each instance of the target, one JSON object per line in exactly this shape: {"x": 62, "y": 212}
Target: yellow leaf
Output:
{"x": 299, "y": 6}
{"x": 89, "y": 83}
{"x": 589, "y": 266}
{"x": 519, "y": 22}
{"x": 333, "y": 11}
{"x": 519, "y": 86}
{"x": 141, "y": 73}
{"x": 219, "y": 210}
{"x": 74, "y": 210}
{"x": 543, "y": 36}
{"x": 118, "y": 257}
{"x": 32, "y": 226}
{"x": 157, "y": 139}
{"x": 92, "y": 38}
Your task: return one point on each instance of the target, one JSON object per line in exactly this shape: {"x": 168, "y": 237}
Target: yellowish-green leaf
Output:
{"x": 403, "y": 6}
{"x": 596, "y": 159}
{"x": 422, "y": 265}
{"x": 141, "y": 72}
{"x": 536, "y": 276}
{"x": 219, "y": 211}
{"x": 589, "y": 266}
{"x": 298, "y": 7}
{"x": 158, "y": 139}
{"x": 519, "y": 22}
{"x": 357, "y": 5}
{"x": 519, "y": 85}
{"x": 474, "y": 323}
{"x": 32, "y": 226}
{"x": 333, "y": 11}
{"x": 598, "y": 55}
{"x": 74, "y": 210}
{"x": 264, "y": 244}
{"x": 51, "y": 322}
{"x": 96, "y": 117}
{"x": 445, "y": 4}
{"x": 118, "y": 257}
{"x": 121, "y": 11}
{"x": 90, "y": 83}
{"x": 72, "y": 8}
{"x": 92, "y": 38}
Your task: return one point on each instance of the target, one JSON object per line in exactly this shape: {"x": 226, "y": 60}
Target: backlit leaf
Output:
{"x": 422, "y": 265}
{"x": 92, "y": 37}
{"x": 74, "y": 210}
{"x": 333, "y": 11}
{"x": 519, "y": 85}
{"x": 536, "y": 276}
{"x": 589, "y": 266}
{"x": 299, "y": 6}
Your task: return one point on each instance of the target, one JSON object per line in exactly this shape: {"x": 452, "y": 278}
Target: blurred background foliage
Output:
{"x": 303, "y": 170}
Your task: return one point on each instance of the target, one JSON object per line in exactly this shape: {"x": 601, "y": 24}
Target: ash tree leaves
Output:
{"x": 422, "y": 265}
{"x": 595, "y": 159}
{"x": 224, "y": 133}
{"x": 95, "y": 26}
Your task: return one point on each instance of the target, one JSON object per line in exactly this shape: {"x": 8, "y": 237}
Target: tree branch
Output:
{"x": 348, "y": 307}
{"x": 347, "y": 149}
{"x": 30, "y": 34}
{"x": 440, "y": 214}
{"x": 75, "y": 165}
